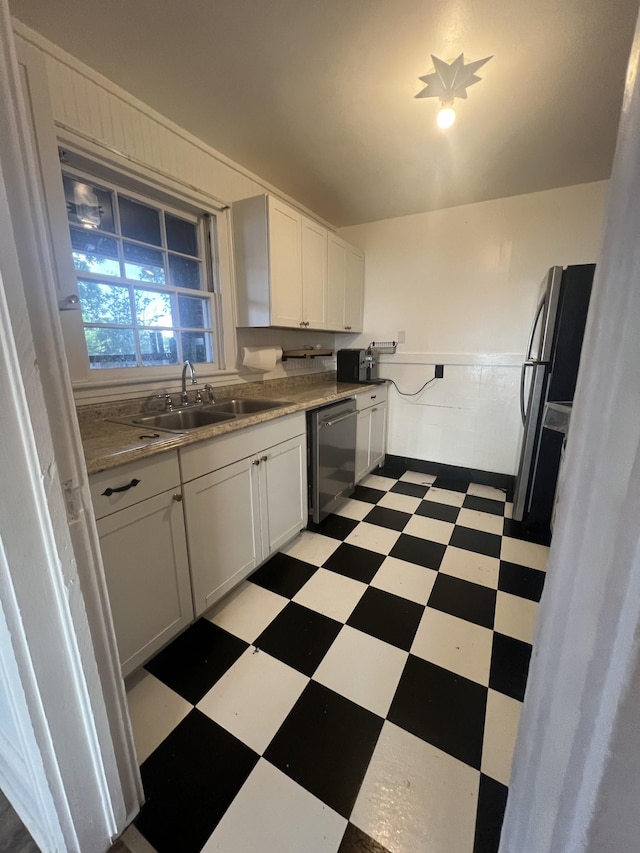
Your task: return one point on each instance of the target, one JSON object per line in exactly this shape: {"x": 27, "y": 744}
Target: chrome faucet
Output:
{"x": 184, "y": 397}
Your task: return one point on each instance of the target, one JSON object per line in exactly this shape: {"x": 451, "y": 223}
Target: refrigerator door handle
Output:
{"x": 530, "y": 362}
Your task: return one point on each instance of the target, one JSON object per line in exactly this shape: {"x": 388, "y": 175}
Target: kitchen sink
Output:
{"x": 182, "y": 419}
{"x": 246, "y": 406}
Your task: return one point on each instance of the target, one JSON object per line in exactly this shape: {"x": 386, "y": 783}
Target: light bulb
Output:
{"x": 446, "y": 117}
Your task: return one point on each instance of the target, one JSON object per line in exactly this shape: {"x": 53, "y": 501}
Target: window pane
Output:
{"x": 94, "y": 253}
{"x": 158, "y": 347}
{"x": 139, "y": 221}
{"x": 153, "y": 308}
{"x": 111, "y": 348}
{"x": 104, "y": 303}
{"x": 197, "y": 346}
{"x": 88, "y": 205}
{"x": 142, "y": 264}
{"x": 184, "y": 273}
{"x": 182, "y": 236}
{"x": 194, "y": 312}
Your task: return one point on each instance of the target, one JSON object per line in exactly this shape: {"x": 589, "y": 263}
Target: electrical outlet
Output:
{"x": 439, "y": 371}
{"x": 402, "y": 336}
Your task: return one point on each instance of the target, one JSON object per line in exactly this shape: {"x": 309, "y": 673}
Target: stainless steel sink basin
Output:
{"x": 182, "y": 419}
{"x": 246, "y": 406}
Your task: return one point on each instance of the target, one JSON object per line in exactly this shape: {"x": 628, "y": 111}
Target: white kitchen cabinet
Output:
{"x": 247, "y": 507}
{"x": 281, "y": 265}
{"x": 345, "y": 289}
{"x": 371, "y": 433}
{"x": 144, "y": 554}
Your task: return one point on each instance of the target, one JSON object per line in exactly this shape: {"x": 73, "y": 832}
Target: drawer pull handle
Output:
{"x": 373, "y": 396}
{"x": 177, "y": 497}
{"x": 108, "y": 492}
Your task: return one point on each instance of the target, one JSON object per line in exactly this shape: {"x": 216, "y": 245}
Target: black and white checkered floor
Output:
{"x": 360, "y": 692}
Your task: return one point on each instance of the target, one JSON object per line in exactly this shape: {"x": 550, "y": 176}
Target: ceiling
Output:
{"x": 317, "y": 96}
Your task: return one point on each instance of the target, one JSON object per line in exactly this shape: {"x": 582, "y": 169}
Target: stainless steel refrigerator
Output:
{"x": 549, "y": 374}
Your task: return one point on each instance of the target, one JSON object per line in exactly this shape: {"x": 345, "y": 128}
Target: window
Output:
{"x": 143, "y": 277}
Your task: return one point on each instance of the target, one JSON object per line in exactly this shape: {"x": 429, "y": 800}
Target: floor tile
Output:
{"x": 442, "y": 708}
{"x": 195, "y": 660}
{"x": 134, "y": 841}
{"x": 508, "y": 510}
{"x": 476, "y": 540}
{"x": 375, "y": 538}
{"x": 393, "y": 468}
{"x": 413, "y": 490}
{"x": 520, "y": 580}
{"x": 390, "y": 518}
{"x": 500, "y": 732}
{"x": 417, "y": 478}
{"x": 492, "y": 802}
{"x": 247, "y": 611}
{"x": 353, "y": 562}
{"x": 299, "y": 637}
{"x": 485, "y": 505}
{"x": 403, "y": 503}
{"x": 478, "y": 491}
{"x": 185, "y": 799}
{"x": 312, "y": 548}
{"x": 515, "y": 616}
{"x": 373, "y": 481}
{"x": 454, "y": 644}
{"x": 155, "y": 710}
{"x": 407, "y": 580}
{"x": 524, "y": 553}
{"x": 463, "y": 599}
{"x": 519, "y": 530}
{"x": 388, "y": 617}
{"x": 335, "y": 526}
{"x": 253, "y": 697}
{"x": 438, "y": 795}
{"x": 363, "y": 669}
{"x": 355, "y": 840}
{"x": 509, "y": 666}
{"x": 283, "y": 575}
{"x": 451, "y": 483}
{"x": 430, "y": 528}
{"x": 470, "y": 566}
{"x": 446, "y": 496}
{"x": 371, "y": 496}
{"x": 353, "y": 509}
{"x": 479, "y": 520}
{"x": 443, "y": 512}
{"x": 261, "y": 818}
{"x": 325, "y": 745}
{"x": 419, "y": 551}
{"x": 331, "y": 594}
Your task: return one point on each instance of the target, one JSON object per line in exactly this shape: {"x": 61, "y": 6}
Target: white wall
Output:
{"x": 462, "y": 283}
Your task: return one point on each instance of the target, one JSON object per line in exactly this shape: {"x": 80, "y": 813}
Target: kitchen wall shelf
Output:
{"x": 306, "y": 353}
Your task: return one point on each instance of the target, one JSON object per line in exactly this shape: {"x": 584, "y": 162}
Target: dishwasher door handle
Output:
{"x": 338, "y": 420}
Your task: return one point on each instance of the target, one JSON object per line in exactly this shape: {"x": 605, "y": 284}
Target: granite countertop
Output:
{"x": 107, "y": 445}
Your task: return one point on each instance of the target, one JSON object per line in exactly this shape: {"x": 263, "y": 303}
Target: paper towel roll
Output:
{"x": 261, "y": 358}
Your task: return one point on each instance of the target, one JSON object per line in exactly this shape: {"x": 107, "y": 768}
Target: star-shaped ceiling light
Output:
{"x": 449, "y": 81}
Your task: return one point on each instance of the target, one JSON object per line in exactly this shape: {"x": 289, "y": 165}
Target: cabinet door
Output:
{"x": 378, "y": 442}
{"x": 145, "y": 560}
{"x": 285, "y": 265}
{"x": 353, "y": 289}
{"x": 222, "y": 513}
{"x": 284, "y": 501}
{"x": 336, "y": 276}
{"x": 314, "y": 274}
{"x": 363, "y": 443}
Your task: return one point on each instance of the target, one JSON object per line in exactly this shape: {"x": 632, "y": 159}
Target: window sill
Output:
{"x": 102, "y": 390}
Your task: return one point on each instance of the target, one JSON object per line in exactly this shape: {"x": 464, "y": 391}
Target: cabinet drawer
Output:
{"x": 155, "y": 475}
{"x": 199, "y": 459}
{"x": 371, "y": 398}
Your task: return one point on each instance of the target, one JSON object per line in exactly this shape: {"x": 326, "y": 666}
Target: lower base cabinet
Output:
{"x": 241, "y": 513}
{"x": 144, "y": 552}
{"x": 371, "y": 433}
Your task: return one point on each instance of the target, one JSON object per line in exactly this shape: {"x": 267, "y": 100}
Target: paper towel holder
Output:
{"x": 306, "y": 353}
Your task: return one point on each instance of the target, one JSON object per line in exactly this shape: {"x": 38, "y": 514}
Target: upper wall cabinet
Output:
{"x": 345, "y": 266}
{"x": 282, "y": 262}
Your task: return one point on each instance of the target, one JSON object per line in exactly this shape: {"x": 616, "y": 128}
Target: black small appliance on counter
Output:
{"x": 357, "y": 365}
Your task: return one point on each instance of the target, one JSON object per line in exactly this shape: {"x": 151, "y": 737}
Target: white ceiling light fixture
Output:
{"x": 450, "y": 80}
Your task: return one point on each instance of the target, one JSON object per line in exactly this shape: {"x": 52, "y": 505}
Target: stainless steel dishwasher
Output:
{"x": 332, "y": 456}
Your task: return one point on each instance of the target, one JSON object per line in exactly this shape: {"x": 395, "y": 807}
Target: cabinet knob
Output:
{"x": 177, "y": 497}
{"x": 256, "y": 462}
{"x": 347, "y": 328}
{"x": 375, "y": 409}
{"x": 302, "y": 322}
{"x": 263, "y": 458}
